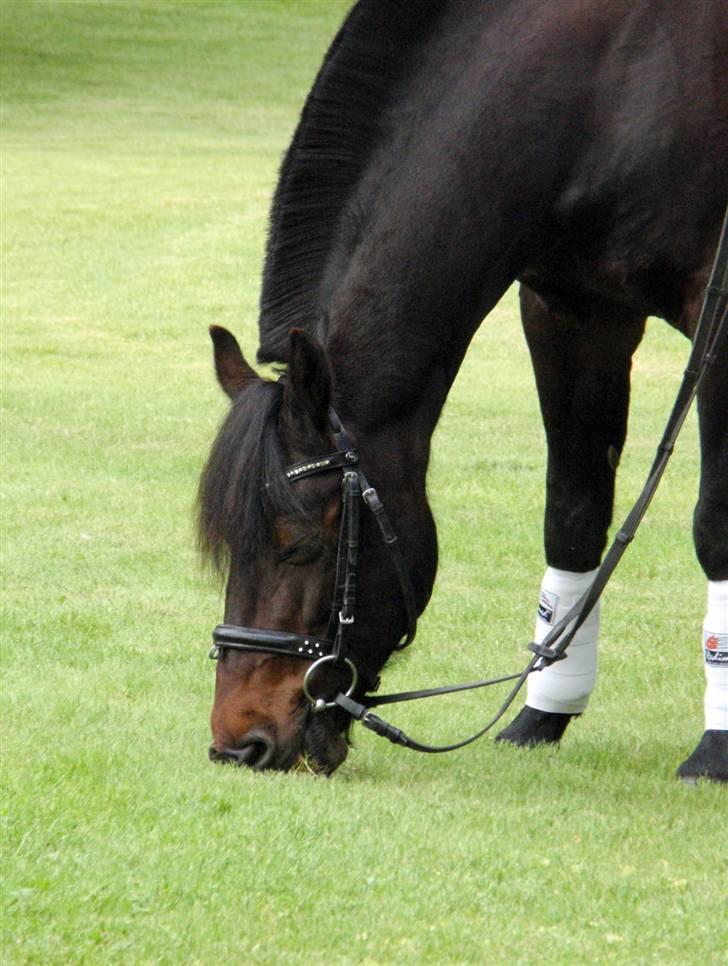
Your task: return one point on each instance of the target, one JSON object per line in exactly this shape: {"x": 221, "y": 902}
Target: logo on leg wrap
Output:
{"x": 716, "y": 649}
{"x": 547, "y": 604}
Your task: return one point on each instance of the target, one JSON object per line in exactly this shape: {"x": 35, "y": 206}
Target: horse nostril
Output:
{"x": 256, "y": 750}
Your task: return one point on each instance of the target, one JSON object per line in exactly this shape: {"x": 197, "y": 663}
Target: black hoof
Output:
{"x": 531, "y": 727}
{"x": 709, "y": 760}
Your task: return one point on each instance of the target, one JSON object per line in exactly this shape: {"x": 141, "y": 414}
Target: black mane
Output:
{"x": 340, "y": 126}
{"x": 243, "y": 488}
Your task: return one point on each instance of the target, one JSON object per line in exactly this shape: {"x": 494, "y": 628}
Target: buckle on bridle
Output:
{"x": 547, "y": 654}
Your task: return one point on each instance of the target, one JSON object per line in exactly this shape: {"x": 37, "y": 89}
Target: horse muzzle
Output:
{"x": 321, "y": 744}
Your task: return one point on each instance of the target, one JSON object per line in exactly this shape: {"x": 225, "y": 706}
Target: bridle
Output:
{"x": 336, "y": 649}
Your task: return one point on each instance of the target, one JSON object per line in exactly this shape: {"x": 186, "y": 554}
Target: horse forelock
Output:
{"x": 242, "y": 488}
{"x": 340, "y": 127}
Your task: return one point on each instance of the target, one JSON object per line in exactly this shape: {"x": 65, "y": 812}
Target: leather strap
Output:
{"x": 282, "y": 644}
{"x": 320, "y": 464}
{"x": 279, "y": 642}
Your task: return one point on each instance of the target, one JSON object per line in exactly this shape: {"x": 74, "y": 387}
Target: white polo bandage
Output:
{"x": 715, "y": 655}
{"x": 565, "y": 686}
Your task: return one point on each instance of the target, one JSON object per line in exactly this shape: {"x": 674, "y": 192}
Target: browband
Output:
{"x": 334, "y": 461}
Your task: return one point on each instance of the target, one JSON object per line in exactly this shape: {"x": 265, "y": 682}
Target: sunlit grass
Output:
{"x": 140, "y": 145}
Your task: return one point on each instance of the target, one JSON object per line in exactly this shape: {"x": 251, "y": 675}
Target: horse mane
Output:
{"x": 243, "y": 488}
{"x": 341, "y": 124}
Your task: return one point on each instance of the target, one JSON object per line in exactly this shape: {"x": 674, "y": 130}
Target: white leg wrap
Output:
{"x": 566, "y": 685}
{"x": 715, "y": 651}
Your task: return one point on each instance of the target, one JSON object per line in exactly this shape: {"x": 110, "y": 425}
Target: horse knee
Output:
{"x": 710, "y": 522}
{"x": 579, "y": 501}
{"x": 710, "y": 534}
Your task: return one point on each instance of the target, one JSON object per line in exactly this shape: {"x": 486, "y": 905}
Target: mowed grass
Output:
{"x": 140, "y": 145}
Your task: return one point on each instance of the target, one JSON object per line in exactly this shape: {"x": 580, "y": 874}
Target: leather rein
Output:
{"x": 335, "y": 648}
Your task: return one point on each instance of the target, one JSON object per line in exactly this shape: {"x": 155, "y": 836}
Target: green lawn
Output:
{"x": 140, "y": 144}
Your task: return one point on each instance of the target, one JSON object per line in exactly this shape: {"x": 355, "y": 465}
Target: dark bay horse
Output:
{"x": 447, "y": 149}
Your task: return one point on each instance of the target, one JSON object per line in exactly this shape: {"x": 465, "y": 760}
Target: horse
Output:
{"x": 447, "y": 150}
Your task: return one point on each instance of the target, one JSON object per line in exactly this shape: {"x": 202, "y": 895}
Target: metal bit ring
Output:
{"x": 318, "y": 704}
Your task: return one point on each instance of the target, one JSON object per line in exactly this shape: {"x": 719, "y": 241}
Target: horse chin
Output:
{"x": 325, "y": 745}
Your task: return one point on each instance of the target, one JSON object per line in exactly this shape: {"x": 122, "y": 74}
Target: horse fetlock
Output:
{"x": 564, "y": 687}
{"x": 715, "y": 656}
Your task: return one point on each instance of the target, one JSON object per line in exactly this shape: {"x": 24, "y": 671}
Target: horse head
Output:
{"x": 271, "y": 518}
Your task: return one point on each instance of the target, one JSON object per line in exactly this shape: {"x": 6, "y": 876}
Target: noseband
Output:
{"x": 335, "y": 648}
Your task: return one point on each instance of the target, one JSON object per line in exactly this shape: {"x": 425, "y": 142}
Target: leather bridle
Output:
{"x": 336, "y": 648}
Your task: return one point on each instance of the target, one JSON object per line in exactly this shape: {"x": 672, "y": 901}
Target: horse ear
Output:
{"x": 308, "y": 382}
{"x": 233, "y": 372}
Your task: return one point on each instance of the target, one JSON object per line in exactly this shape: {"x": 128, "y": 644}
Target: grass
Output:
{"x": 140, "y": 143}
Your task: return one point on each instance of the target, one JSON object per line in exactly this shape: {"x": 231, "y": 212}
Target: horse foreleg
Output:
{"x": 582, "y": 364}
{"x": 710, "y": 758}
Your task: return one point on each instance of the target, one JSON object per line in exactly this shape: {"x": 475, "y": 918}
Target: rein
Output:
{"x": 335, "y": 649}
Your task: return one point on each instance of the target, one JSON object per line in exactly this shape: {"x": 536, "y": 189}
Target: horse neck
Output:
{"x": 400, "y": 307}
{"x": 440, "y": 223}
{"x": 389, "y": 392}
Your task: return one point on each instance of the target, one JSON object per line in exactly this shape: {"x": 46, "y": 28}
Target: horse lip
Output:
{"x": 325, "y": 743}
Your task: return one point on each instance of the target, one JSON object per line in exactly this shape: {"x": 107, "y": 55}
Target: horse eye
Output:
{"x": 303, "y": 551}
